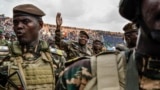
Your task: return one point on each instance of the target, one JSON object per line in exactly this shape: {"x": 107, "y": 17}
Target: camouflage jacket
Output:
{"x": 74, "y": 50}
{"x": 77, "y": 75}
{"x": 23, "y": 65}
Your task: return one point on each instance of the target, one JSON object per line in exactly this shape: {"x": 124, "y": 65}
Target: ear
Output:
{"x": 41, "y": 24}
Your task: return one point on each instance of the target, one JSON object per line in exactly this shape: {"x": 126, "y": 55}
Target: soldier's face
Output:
{"x": 151, "y": 13}
{"x": 26, "y": 28}
{"x": 97, "y": 45}
{"x": 83, "y": 39}
{"x": 131, "y": 39}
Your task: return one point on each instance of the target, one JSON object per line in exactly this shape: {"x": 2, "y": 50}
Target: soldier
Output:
{"x": 29, "y": 65}
{"x": 97, "y": 47}
{"x": 13, "y": 38}
{"x": 130, "y": 34}
{"x": 145, "y": 61}
{"x": 72, "y": 49}
{"x": 104, "y": 71}
{"x": 3, "y": 42}
{"x": 130, "y": 37}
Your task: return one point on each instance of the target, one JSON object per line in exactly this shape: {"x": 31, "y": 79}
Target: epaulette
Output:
{"x": 57, "y": 51}
{"x": 71, "y": 61}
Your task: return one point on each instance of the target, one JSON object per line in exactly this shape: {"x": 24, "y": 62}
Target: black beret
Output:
{"x": 130, "y": 27}
{"x": 84, "y": 33}
{"x": 28, "y": 9}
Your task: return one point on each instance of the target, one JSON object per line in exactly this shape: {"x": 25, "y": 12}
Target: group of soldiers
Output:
{"x": 32, "y": 64}
{"x": 29, "y": 63}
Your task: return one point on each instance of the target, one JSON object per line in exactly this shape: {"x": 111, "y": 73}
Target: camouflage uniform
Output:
{"x": 98, "y": 43}
{"x": 72, "y": 49}
{"x": 29, "y": 64}
{"x": 58, "y": 57}
{"x": 76, "y": 76}
{"x": 80, "y": 73}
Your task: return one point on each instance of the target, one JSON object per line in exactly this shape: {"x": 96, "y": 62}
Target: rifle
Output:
{"x": 20, "y": 78}
{"x": 4, "y": 78}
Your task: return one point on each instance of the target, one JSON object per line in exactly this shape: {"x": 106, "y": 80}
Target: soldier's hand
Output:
{"x": 58, "y": 20}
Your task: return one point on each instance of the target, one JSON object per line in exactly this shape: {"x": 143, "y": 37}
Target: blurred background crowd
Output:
{"x": 109, "y": 39}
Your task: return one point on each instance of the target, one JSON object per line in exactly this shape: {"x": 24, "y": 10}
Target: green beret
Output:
{"x": 84, "y": 33}
{"x": 130, "y": 27}
{"x": 27, "y": 9}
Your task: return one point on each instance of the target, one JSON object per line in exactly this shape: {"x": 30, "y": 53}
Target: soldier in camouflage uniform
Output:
{"x": 130, "y": 37}
{"x": 97, "y": 47}
{"x": 82, "y": 74}
{"x": 79, "y": 75}
{"x": 3, "y": 42}
{"x": 72, "y": 49}
{"x": 130, "y": 34}
{"x": 29, "y": 65}
{"x": 144, "y": 63}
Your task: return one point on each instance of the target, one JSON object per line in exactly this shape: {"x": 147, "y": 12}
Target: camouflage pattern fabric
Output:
{"x": 76, "y": 76}
{"x": 58, "y": 57}
{"x": 74, "y": 50}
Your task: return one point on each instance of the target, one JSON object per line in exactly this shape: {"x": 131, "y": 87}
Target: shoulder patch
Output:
{"x": 57, "y": 51}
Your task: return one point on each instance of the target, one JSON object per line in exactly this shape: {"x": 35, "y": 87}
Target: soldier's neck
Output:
{"x": 147, "y": 46}
{"x": 31, "y": 44}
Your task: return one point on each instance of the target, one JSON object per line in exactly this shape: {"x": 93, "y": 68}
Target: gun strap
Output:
{"x": 19, "y": 61}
